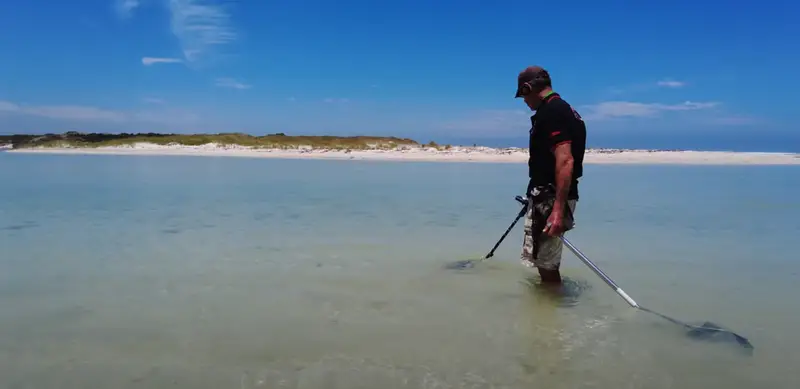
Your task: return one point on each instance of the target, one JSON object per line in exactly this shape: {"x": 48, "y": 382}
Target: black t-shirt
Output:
{"x": 554, "y": 123}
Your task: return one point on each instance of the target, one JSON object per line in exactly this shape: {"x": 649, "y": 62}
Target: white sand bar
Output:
{"x": 454, "y": 154}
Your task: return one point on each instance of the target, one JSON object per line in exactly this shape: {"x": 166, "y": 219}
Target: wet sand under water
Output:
{"x": 493, "y": 327}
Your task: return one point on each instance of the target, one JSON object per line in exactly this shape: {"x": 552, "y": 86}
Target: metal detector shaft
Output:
{"x": 599, "y": 272}
{"x": 496, "y": 245}
{"x": 591, "y": 264}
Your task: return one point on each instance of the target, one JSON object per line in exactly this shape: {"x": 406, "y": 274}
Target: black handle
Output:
{"x": 519, "y": 216}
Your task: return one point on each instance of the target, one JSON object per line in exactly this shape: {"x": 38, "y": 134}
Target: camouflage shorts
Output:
{"x": 549, "y": 256}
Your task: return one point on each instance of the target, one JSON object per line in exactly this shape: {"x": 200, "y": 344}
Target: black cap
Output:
{"x": 529, "y": 74}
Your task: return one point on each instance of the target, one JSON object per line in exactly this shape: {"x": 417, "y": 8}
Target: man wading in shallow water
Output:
{"x": 557, "y": 145}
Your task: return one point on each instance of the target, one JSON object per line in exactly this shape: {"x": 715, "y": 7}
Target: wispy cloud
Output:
{"x": 231, "y": 83}
{"x": 491, "y": 122}
{"x": 153, "y": 100}
{"x": 671, "y": 84}
{"x": 125, "y": 8}
{"x": 340, "y": 100}
{"x": 6, "y": 106}
{"x": 736, "y": 120}
{"x": 622, "y": 109}
{"x": 200, "y": 26}
{"x": 500, "y": 122}
{"x": 68, "y": 112}
{"x": 148, "y": 61}
{"x": 165, "y": 116}
{"x": 95, "y": 114}
{"x": 645, "y": 86}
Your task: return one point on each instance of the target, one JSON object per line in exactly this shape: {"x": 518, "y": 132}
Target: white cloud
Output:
{"x": 75, "y": 112}
{"x": 6, "y": 106}
{"x": 496, "y": 122}
{"x": 645, "y": 87}
{"x": 125, "y": 8}
{"x": 88, "y": 113}
{"x": 200, "y": 25}
{"x": 147, "y": 61}
{"x": 153, "y": 100}
{"x": 68, "y": 112}
{"x": 671, "y": 84}
{"x": 231, "y": 83}
{"x": 620, "y": 109}
{"x": 341, "y": 100}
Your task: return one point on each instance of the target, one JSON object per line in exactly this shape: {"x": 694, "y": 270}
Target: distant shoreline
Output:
{"x": 368, "y": 148}
{"x": 415, "y": 152}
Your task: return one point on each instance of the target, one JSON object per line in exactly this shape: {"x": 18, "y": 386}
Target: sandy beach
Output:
{"x": 453, "y": 154}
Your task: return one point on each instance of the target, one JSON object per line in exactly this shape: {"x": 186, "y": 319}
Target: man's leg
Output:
{"x": 548, "y": 260}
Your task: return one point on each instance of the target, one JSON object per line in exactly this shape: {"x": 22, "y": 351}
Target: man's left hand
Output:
{"x": 555, "y": 223}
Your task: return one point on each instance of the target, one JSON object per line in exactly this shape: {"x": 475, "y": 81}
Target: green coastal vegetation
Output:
{"x": 74, "y": 139}
{"x": 271, "y": 141}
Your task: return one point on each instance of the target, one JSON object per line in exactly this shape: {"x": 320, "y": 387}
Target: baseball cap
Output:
{"x": 529, "y": 74}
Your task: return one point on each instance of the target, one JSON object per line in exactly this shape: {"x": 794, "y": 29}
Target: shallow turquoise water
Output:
{"x": 202, "y": 272}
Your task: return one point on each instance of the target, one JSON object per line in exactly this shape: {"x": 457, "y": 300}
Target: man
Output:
{"x": 557, "y": 146}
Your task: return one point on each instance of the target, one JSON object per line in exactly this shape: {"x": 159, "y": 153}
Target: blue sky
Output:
{"x": 675, "y": 74}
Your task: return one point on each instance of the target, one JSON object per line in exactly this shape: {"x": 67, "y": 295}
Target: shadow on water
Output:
{"x": 707, "y": 332}
{"x": 571, "y": 291}
{"x": 18, "y": 227}
{"x": 567, "y": 294}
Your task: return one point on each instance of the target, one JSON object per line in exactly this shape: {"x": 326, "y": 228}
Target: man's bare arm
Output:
{"x": 564, "y": 162}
